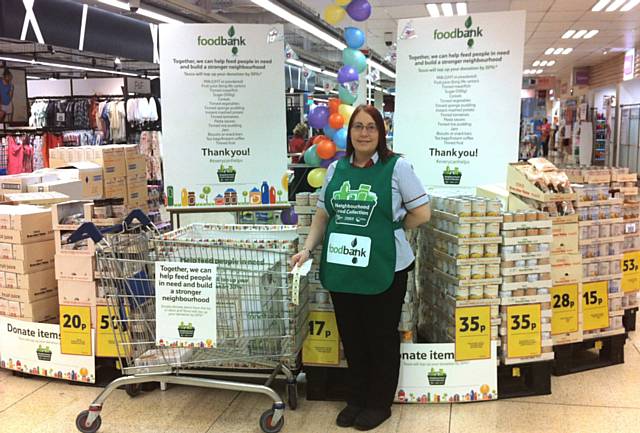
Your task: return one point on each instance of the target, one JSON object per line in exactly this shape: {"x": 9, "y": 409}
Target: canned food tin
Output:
{"x": 493, "y": 207}
{"x": 492, "y": 229}
{"x": 464, "y": 230}
{"x": 463, "y": 208}
{"x": 478, "y": 272}
{"x": 464, "y": 272}
{"x": 492, "y": 271}
{"x": 462, "y": 293}
{"x": 479, "y": 208}
{"x": 491, "y": 291}
{"x": 491, "y": 250}
{"x": 476, "y": 251}
{"x": 463, "y": 252}
{"x": 476, "y": 292}
{"x": 478, "y": 230}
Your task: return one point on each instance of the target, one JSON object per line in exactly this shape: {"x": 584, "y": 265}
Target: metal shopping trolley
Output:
{"x": 261, "y": 308}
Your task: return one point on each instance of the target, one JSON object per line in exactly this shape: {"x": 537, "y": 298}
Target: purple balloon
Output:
{"x": 346, "y": 74}
{"x": 326, "y": 162}
{"x": 359, "y": 10}
{"x": 319, "y": 117}
{"x": 340, "y": 154}
{"x": 289, "y": 217}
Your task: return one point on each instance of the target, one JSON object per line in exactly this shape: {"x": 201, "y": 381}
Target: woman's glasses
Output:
{"x": 370, "y": 128}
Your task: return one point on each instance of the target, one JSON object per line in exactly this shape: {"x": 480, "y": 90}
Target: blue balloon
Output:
{"x": 346, "y": 96}
{"x": 354, "y": 37}
{"x": 340, "y": 138}
{"x": 329, "y": 131}
{"x": 311, "y": 157}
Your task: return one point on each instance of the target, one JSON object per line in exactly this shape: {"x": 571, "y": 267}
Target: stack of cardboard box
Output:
{"x": 123, "y": 170}
{"x": 27, "y": 279}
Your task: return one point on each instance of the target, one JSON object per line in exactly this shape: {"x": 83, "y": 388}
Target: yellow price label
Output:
{"x": 564, "y": 300}
{"x": 595, "y": 305}
{"x": 106, "y": 339}
{"x": 524, "y": 330}
{"x": 322, "y": 345}
{"x": 473, "y": 333}
{"x": 75, "y": 330}
{"x": 630, "y": 266}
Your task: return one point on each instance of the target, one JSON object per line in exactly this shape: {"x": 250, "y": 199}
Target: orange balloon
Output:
{"x": 334, "y": 104}
{"x": 336, "y": 121}
{"x": 320, "y": 138}
{"x": 326, "y": 149}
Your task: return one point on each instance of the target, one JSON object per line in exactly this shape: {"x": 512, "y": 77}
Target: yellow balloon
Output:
{"x": 285, "y": 181}
{"x": 316, "y": 177}
{"x": 343, "y": 2}
{"x": 333, "y": 14}
{"x": 346, "y": 111}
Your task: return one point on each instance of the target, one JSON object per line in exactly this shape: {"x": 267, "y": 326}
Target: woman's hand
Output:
{"x": 300, "y": 258}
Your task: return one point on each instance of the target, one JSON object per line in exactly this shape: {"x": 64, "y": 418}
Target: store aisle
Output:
{"x": 605, "y": 400}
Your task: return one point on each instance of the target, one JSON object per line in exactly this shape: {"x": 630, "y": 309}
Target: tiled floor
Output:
{"x": 605, "y": 400}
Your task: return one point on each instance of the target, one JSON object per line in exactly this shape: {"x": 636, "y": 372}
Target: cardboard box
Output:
{"x": 44, "y": 309}
{"x": 77, "y": 292}
{"x": 137, "y": 190}
{"x": 112, "y": 160}
{"x": 565, "y": 239}
{"x": 566, "y": 269}
{"x": 27, "y": 295}
{"x": 19, "y": 182}
{"x": 115, "y": 188}
{"x": 25, "y": 224}
{"x": 69, "y": 187}
{"x": 518, "y": 184}
{"x": 45, "y": 199}
{"x": 86, "y": 247}
{"x": 136, "y": 167}
{"x": 494, "y": 192}
{"x": 75, "y": 267}
{"x": 41, "y": 280}
{"x": 61, "y": 213}
{"x": 131, "y": 150}
{"x": 89, "y": 174}
{"x": 27, "y": 258}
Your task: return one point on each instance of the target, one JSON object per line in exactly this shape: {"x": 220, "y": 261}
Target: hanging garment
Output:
{"x": 38, "y": 157}
{"x": 15, "y": 153}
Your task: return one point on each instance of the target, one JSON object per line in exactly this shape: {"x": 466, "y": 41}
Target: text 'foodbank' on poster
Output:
{"x": 224, "y": 127}
{"x": 186, "y": 304}
{"x": 458, "y": 96}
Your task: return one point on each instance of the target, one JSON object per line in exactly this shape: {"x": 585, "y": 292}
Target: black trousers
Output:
{"x": 368, "y": 327}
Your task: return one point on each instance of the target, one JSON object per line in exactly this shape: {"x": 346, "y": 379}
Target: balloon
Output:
{"x": 326, "y": 149}
{"x": 336, "y": 121}
{"x": 347, "y": 73}
{"x": 317, "y": 139}
{"x": 329, "y": 132}
{"x": 339, "y": 155}
{"x": 340, "y": 139}
{"x": 346, "y": 97}
{"x": 326, "y": 162}
{"x": 333, "y": 14}
{"x": 343, "y": 2}
{"x": 316, "y": 177}
{"x": 354, "y": 37}
{"x": 354, "y": 58}
{"x": 289, "y": 216}
{"x": 319, "y": 116}
{"x": 346, "y": 111}
{"x": 334, "y": 104}
{"x": 311, "y": 156}
{"x": 285, "y": 181}
{"x": 359, "y": 10}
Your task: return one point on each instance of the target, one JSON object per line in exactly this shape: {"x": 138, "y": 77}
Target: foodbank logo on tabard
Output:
{"x": 354, "y": 207}
{"x": 467, "y": 33}
{"x": 232, "y": 41}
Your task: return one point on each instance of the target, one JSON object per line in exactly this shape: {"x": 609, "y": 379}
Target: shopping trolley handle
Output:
{"x": 137, "y": 214}
{"x": 89, "y": 230}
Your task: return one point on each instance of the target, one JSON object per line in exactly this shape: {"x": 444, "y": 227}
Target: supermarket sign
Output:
{"x": 429, "y": 373}
{"x": 34, "y": 348}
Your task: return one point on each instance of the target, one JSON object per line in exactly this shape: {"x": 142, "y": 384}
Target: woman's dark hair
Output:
{"x": 383, "y": 151}
{"x": 6, "y": 73}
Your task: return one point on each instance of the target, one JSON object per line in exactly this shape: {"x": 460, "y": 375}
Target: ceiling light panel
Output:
{"x": 567, "y": 51}
{"x": 568, "y": 34}
{"x": 615, "y": 5}
{"x": 558, "y": 51}
{"x": 433, "y": 10}
{"x": 447, "y": 9}
{"x": 550, "y": 51}
{"x": 600, "y": 5}
{"x": 591, "y": 34}
{"x": 579, "y": 34}
{"x": 630, "y": 5}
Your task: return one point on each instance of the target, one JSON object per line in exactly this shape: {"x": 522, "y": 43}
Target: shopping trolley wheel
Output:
{"x": 292, "y": 395}
{"x": 132, "y": 390}
{"x": 81, "y": 423}
{"x": 265, "y": 422}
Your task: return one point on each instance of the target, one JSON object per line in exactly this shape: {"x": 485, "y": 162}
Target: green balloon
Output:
{"x": 354, "y": 58}
{"x": 346, "y": 97}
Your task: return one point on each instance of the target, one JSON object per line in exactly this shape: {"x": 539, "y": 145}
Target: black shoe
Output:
{"x": 347, "y": 416}
{"x": 369, "y": 419}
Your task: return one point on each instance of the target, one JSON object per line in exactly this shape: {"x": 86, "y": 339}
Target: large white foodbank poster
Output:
{"x": 429, "y": 373}
{"x": 223, "y": 114}
{"x": 458, "y": 96}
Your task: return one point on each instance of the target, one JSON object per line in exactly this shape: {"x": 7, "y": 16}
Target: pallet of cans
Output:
{"x": 601, "y": 240}
{"x": 462, "y": 253}
{"x": 526, "y": 281}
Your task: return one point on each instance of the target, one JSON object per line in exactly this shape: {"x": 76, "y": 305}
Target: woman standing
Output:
{"x": 368, "y": 198}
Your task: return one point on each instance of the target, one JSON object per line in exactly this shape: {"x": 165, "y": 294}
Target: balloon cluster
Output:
{"x": 334, "y": 118}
